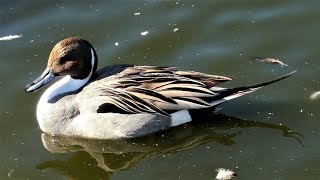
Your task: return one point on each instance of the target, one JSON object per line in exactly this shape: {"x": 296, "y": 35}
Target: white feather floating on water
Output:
{"x": 144, "y": 33}
{"x": 314, "y": 96}
{"x": 10, "y": 37}
{"x": 225, "y": 174}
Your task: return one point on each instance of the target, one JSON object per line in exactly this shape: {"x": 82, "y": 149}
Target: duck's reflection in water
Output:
{"x": 99, "y": 158}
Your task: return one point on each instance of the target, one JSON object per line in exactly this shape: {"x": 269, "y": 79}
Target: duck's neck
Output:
{"x": 63, "y": 86}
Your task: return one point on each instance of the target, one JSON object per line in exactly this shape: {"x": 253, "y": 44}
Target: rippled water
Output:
{"x": 270, "y": 134}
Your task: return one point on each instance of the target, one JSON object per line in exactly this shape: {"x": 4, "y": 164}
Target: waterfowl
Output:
{"x": 121, "y": 101}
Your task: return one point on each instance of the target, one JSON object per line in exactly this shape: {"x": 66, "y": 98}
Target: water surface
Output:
{"x": 258, "y": 135}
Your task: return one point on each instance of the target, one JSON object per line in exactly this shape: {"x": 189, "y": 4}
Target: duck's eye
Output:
{"x": 63, "y": 60}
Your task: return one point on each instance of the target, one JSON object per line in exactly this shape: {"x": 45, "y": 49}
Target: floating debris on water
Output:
{"x": 314, "y": 96}
{"x": 270, "y": 60}
{"x": 137, "y": 14}
{"x": 225, "y": 174}
{"x": 10, "y": 37}
{"x": 144, "y": 33}
{"x": 10, "y": 173}
{"x": 117, "y": 43}
{"x": 175, "y": 29}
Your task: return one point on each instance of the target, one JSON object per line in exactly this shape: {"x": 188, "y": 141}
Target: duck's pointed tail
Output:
{"x": 223, "y": 95}
{"x": 226, "y": 94}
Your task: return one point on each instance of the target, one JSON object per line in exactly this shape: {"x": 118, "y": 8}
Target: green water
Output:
{"x": 270, "y": 134}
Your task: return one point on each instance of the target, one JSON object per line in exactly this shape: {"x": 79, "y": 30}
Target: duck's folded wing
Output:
{"x": 151, "y": 89}
{"x": 141, "y": 100}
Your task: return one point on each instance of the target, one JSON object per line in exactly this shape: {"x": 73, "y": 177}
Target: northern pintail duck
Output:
{"x": 121, "y": 101}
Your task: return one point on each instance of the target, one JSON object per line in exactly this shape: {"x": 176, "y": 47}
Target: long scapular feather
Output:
{"x": 179, "y": 83}
{"x": 192, "y": 91}
{"x": 193, "y": 100}
{"x": 149, "y": 94}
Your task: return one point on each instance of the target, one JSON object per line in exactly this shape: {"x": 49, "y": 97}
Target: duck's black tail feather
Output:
{"x": 231, "y": 93}
{"x": 222, "y": 95}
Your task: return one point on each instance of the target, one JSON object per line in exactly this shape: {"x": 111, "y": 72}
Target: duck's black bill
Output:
{"x": 45, "y": 77}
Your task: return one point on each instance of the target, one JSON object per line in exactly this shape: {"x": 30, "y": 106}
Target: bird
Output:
{"x": 123, "y": 100}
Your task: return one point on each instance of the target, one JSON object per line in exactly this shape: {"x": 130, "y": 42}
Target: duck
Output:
{"x": 122, "y": 101}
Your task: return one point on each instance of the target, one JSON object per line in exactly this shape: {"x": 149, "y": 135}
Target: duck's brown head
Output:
{"x": 73, "y": 57}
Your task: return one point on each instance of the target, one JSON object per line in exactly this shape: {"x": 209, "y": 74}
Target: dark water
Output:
{"x": 259, "y": 135}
